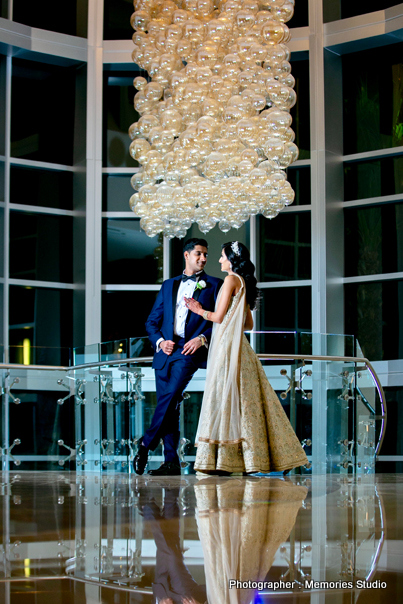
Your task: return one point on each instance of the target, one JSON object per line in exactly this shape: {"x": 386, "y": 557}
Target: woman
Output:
{"x": 242, "y": 425}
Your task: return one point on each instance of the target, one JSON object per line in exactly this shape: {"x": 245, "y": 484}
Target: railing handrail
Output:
{"x": 274, "y": 357}
{"x": 148, "y": 359}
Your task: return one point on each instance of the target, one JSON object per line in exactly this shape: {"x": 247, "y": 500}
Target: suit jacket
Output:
{"x": 160, "y": 323}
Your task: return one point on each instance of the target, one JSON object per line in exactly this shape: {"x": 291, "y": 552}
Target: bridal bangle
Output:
{"x": 205, "y": 315}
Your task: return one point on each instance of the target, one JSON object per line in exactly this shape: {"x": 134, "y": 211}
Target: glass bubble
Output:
{"x": 140, "y": 102}
{"x": 203, "y": 76}
{"x": 270, "y": 213}
{"x": 212, "y": 108}
{"x": 232, "y": 169}
{"x": 285, "y": 12}
{"x": 137, "y": 181}
{"x": 249, "y": 155}
{"x": 258, "y": 52}
{"x": 224, "y": 226}
{"x": 245, "y": 79}
{"x": 147, "y": 192}
{"x": 138, "y": 148}
{"x": 273, "y": 149}
{"x": 139, "y": 83}
{"x": 226, "y": 146}
{"x": 139, "y": 20}
{"x": 287, "y": 80}
{"x": 276, "y": 119}
{"x": 258, "y": 102}
{"x": 134, "y": 131}
{"x": 206, "y": 127}
{"x": 171, "y": 120}
{"x": 287, "y": 196}
{"x": 153, "y": 91}
{"x": 274, "y": 31}
{"x": 289, "y": 156}
{"x": 164, "y": 194}
{"x": 134, "y": 199}
{"x": 284, "y": 97}
{"x": 231, "y": 115}
{"x": 184, "y": 49}
{"x": 215, "y": 165}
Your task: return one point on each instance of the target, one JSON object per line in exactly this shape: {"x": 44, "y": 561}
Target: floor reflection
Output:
{"x": 189, "y": 540}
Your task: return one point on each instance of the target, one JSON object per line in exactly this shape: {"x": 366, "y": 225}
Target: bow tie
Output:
{"x": 191, "y": 277}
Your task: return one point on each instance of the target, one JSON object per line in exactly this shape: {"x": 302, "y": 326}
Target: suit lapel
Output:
{"x": 175, "y": 288}
{"x": 198, "y": 290}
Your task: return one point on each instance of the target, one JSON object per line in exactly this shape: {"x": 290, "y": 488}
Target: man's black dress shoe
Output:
{"x": 169, "y": 468}
{"x": 141, "y": 459}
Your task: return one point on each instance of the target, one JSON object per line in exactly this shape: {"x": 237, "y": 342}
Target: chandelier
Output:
{"x": 214, "y": 134}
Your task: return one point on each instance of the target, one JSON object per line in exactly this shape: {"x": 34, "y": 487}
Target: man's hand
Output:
{"x": 191, "y": 346}
{"x": 167, "y": 346}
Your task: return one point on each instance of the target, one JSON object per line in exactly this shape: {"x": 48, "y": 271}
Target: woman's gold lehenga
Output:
{"x": 265, "y": 440}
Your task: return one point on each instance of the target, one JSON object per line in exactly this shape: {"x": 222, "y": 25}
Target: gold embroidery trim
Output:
{"x": 219, "y": 442}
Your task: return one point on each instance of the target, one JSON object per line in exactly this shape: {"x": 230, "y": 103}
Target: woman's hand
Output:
{"x": 194, "y": 306}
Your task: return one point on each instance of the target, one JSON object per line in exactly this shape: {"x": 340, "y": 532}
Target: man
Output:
{"x": 180, "y": 339}
{"x": 172, "y": 580}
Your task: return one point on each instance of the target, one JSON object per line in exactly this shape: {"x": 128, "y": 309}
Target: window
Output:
{"x": 129, "y": 256}
{"x": 373, "y": 313}
{"x": 41, "y": 247}
{"x": 72, "y": 20}
{"x": 46, "y": 128}
{"x": 372, "y": 97}
{"x": 373, "y": 240}
{"x": 285, "y": 247}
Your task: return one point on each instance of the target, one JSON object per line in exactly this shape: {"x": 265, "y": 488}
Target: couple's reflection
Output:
{"x": 173, "y": 583}
{"x": 241, "y": 524}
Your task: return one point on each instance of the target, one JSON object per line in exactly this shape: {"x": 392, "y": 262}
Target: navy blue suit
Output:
{"x": 174, "y": 372}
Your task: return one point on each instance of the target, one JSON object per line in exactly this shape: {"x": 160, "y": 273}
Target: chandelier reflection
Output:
{"x": 214, "y": 134}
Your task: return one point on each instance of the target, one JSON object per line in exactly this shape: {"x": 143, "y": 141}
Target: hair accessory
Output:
{"x": 235, "y": 248}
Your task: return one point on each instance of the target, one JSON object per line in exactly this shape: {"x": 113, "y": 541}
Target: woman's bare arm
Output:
{"x": 248, "y": 321}
{"x": 230, "y": 284}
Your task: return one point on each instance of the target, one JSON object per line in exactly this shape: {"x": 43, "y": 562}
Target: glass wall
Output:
{"x": 374, "y": 313}
{"x": 42, "y": 176}
{"x": 373, "y": 177}
{"x": 125, "y": 312}
{"x": 300, "y": 112}
{"x": 119, "y": 113}
{"x": 373, "y": 239}
{"x": 285, "y": 307}
{"x": 116, "y": 190}
{"x": 129, "y": 256}
{"x": 40, "y": 319}
{"x": 343, "y": 9}
{"x": 72, "y": 21}
{"x": 41, "y": 187}
{"x": 373, "y": 172}
{"x": 372, "y": 99}
{"x": 285, "y": 247}
{"x": 117, "y": 15}
{"x": 46, "y": 131}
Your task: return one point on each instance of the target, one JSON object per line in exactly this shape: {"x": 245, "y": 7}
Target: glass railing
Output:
{"x": 90, "y": 416}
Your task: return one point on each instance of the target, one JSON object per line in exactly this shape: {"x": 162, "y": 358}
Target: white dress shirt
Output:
{"x": 185, "y": 289}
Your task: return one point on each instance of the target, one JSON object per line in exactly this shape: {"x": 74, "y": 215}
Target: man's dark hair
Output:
{"x": 190, "y": 244}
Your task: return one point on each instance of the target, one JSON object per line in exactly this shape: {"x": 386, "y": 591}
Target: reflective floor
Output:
{"x": 125, "y": 539}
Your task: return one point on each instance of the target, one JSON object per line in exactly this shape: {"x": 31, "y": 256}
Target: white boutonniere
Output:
{"x": 201, "y": 284}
